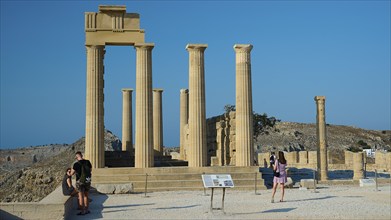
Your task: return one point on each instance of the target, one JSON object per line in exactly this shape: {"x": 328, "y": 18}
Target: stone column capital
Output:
{"x": 243, "y": 48}
{"x": 320, "y": 98}
{"x": 157, "y": 90}
{"x": 127, "y": 90}
{"x": 184, "y": 91}
{"x": 95, "y": 46}
{"x": 199, "y": 47}
{"x": 145, "y": 46}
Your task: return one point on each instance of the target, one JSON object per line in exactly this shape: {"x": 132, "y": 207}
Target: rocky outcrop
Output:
{"x": 30, "y": 174}
{"x": 290, "y": 136}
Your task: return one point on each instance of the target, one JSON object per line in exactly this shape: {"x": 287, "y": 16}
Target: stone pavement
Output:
{"x": 329, "y": 202}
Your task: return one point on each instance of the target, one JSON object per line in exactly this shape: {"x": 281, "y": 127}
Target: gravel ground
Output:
{"x": 329, "y": 202}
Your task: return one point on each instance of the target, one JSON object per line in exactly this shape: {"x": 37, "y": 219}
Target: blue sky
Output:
{"x": 339, "y": 49}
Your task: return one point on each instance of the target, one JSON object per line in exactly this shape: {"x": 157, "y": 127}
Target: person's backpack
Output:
{"x": 85, "y": 175}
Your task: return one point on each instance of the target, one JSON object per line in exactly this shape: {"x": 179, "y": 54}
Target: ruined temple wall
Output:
{"x": 383, "y": 161}
{"x": 226, "y": 136}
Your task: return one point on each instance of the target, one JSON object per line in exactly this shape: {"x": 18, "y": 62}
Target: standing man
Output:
{"x": 82, "y": 168}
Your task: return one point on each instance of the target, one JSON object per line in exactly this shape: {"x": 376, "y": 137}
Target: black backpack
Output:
{"x": 85, "y": 175}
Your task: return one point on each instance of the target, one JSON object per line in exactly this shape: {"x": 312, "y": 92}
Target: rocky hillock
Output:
{"x": 290, "y": 136}
{"x": 30, "y": 174}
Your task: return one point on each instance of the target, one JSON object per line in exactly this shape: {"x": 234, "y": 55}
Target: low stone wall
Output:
{"x": 308, "y": 159}
{"x": 54, "y": 206}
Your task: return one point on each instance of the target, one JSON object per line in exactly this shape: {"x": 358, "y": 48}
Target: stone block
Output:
{"x": 289, "y": 183}
{"x": 108, "y": 188}
{"x": 105, "y": 188}
{"x": 123, "y": 188}
{"x": 367, "y": 182}
{"x": 307, "y": 183}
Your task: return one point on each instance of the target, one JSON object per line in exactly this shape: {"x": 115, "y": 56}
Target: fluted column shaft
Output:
{"x": 184, "y": 119}
{"x": 127, "y": 137}
{"x": 321, "y": 136}
{"x": 94, "y": 140}
{"x": 144, "y": 126}
{"x": 244, "y": 106}
{"x": 197, "y": 116}
{"x": 157, "y": 121}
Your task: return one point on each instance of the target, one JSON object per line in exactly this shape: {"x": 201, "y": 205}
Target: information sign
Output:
{"x": 217, "y": 180}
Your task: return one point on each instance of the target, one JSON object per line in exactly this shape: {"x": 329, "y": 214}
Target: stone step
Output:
{"x": 139, "y": 186}
{"x": 174, "y": 170}
{"x": 182, "y": 176}
{"x": 176, "y": 178}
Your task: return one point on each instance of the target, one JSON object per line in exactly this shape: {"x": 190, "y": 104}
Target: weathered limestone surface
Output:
{"x": 221, "y": 139}
{"x": 94, "y": 144}
{"x": 157, "y": 121}
{"x": 197, "y": 118}
{"x": 113, "y": 26}
{"x": 358, "y": 165}
{"x": 184, "y": 119}
{"x": 127, "y": 132}
{"x": 244, "y": 107}
{"x": 144, "y": 126}
{"x": 321, "y": 134}
{"x": 110, "y": 26}
{"x": 303, "y": 157}
{"x": 116, "y": 188}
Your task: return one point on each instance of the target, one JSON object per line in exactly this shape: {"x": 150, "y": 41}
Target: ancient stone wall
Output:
{"x": 221, "y": 140}
{"x": 308, "y": 159}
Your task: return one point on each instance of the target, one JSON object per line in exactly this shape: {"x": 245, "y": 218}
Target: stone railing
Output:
{"x": 53, "y": 206}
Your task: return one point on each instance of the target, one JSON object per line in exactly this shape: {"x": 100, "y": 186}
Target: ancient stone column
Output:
{"x": 157, "y": 121}
{"x": 184, "y": 119}
{"x": 244, "y": 106}
{"x": 358, "y": 166}
{"x": 94, "y": 140}
{"x": 144, "y": 126}
{"x": 197, "y": 117}
{"x": 127, "y": 138}
{"x": 321, "y": 135}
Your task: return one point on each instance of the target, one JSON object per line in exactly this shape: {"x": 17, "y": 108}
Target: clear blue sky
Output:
{"x": 339, "y": 49}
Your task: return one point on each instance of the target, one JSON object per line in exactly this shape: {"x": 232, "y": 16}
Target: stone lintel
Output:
{"x": 196, "y": 46}
{"x": 319, "y": 98}
{"x": 127, "y": 90}
{"x": 243, "y": 47}
{"x": 157, "y": 90}
{"x": 105, "y": 8}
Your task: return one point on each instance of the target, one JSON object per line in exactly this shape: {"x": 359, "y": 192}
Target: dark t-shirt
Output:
{"x": 77, "y": 167}
{"x": 66, "y": 190}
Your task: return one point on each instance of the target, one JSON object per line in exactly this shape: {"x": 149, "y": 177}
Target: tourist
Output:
{"x": 67, "y": 187}
{"x": 82, "y": 168}
{"x": 272, "y": 160}
{"x": 280, "y": 178}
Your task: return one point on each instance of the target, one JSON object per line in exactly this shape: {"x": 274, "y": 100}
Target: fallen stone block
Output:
{"x": 289, "y": 183}
{"x": 367, "y": 182}
{"x": 307, "y": 183}
{"x": 107, "y": 188}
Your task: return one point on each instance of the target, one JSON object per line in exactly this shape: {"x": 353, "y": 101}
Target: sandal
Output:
{"x": 80, "y": 213}
{"x": 87, "y": 212}
{"x": 281, "y": 200}
{"x": 272, "y": 200}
